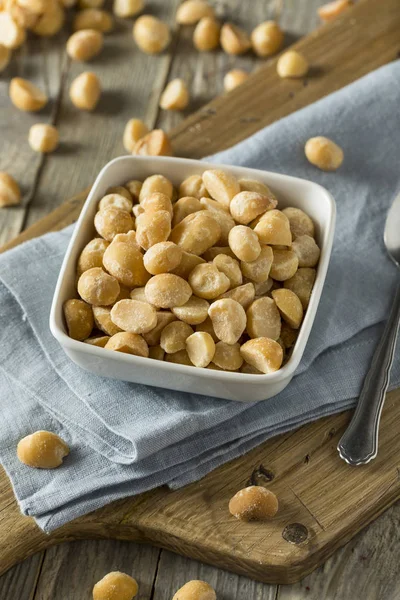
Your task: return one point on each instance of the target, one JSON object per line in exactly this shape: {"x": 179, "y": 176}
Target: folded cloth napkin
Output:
{"x": 127, "y": 438}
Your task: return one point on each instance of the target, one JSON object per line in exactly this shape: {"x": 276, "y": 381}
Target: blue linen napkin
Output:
{"x": 127, "y": 438}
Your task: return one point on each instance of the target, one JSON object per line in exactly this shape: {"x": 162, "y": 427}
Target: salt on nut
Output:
{"x": 151, "y": 34}
{"x": 193, "y": 187}
{"x": 244, "y": 243}
{"x": 206, "y": 34}
{"x": 195, "y": 590}
{"x": 162, "y": 258}
{"x": 228, "y": 318}
{"x": 263, "y": 319}
{"x": 193, "y": 312}
{"x": 42, "y": 450}
{"x": 12, "y": 35}
{"x": 246, "y": 206}
{"x": 191, "y": 11}
{"x": 201, "y": 348}
{"x": 185, "y": 206}
{"x": 167, "y": 290}
{"x": 127, "y": 8}
{"x": 262, "y": 353}
{"x": 134, "y": 186}
{"x": 102, "y": 320}
{"x": 155, "y": 143}
{"x": 174, "y": 335}
{"x": 208, "y": 327}
{"x": 79, "y": 318}
{"x": 292, "y": 64}
{"x": 153, "y": 184}
{"x": 5, "y": 57}
{"x": 128, "y": 343}
{"x": 93, "y": 18}
{"x": 85, "y": 91}
{"x": 156, "y": 202}
{"x": 221, "y": 186}
{"x": 10, "y": 194}
{"x": 156, "y": 352}
{"x": 244, "y": 294}
{"x": 234, "y": 78}
{"x": 267, "y": 38}
{"x": 284, "y": 265}
{"x": 116, "y": 200}
{"x": 134, "y": 316}
{"x": 208, "y": 282}
{"x": 97, "y": 287}
{"x": 234, "y": 40}
{"x": 180, "y": 358}
{"x": 85, "y": 44}
{"x": 43, "y": 138}
{"x": 227, "y": 356}
{"x": 134, "y": 130}
{"x": 211, "y": 253}
{"x": 115, "y": 586}
{"x": 196, "y": 232}
{"x": 152, "y": 228}
{"x": 163, "y": 319}
{"x": 50, "y": 21}
{"x": 300, "y": 222}
{"x": 323, "y": 153}
{"x": 175, "y": 96}
{"x": 307, "y": 251}
{"x": 230, "y": 267}
{"x": 188, "y": 263}
{"x": 111, "y": 221}
{"x": 25, "y": 95}
{"x": 302, "y": 284}
{"x": 258, "y": 270}
{"x": 274, "y": 228}
{"x": 125, "y": 262}
{"x": 225, "y": 221}
{"x": 289, "y": 306}
{"x": 99, "y": 340}
{"x": 253, "y": 503}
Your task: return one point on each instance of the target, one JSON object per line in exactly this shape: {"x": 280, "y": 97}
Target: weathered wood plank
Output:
{"x": 20, "y": 581}
{"x": 70, "y": 571}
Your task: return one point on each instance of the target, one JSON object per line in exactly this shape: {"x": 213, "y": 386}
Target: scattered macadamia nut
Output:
{"x": 292, "y": 64}
{"x": 128, "y": 343}
{"x": 234, "y": 40}
{"x": 151, "y": 35}
{"x": 134, "y": 316}
{"x": 191, "y": 11}
{"x": 175, "y": 96}
{"x": 115, "y": 586}
{"x": 79, "y": 318}
{"x": 134, "y": 130}
{"x": 127, "y": 8}
{"x": 323, "y": 153}
{"x": 12, "y": 35}
{"x": 254, "y": 503}
{"x": 267, "y": 38}
{"x": 201, "y": 348}
{"x": 93, "y": 18}
{"x": 300, "y": 223}
{"x": 244, "y": 243}
{"x": 234, "y": 78}
{"x": 85, "y": 91}
{"x": 208, "y": 282}
{"x": 10, "y": 194}
{"x": 155, "y": 143}
{"x": 5, "y": 57}
{"x": 167, "y": 290}
{"x": 43, "y": 138}
{"x": 264, "y": 354}
{"x": 206, "y": 34}
{"x": 51, "y": 21}
{"x": 331, "y": 10}
{"x": 85, "y": 44}
{"x": 174, "y": 335}
{"x": 26, "y": 96}
{"x": 289, "y": 306}
{"x": 42, "y": 450}
{"x": 195, "y": 590}
{"x": 228, "y": 318}
{"x": 97, "y": 287}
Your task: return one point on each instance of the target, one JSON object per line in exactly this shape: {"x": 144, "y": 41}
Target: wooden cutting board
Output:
{"x": 323, "y": 501}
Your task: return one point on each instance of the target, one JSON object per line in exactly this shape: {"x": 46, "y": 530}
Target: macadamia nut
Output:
{"x": 267, "y": 38}
{"x": 201, "y": 348}
{"x": 93, "y": 18}
{"x": 79, "y": 318}
{"x": 85, "y": 44}
{"x": 208, "y": 282}
{"x": 221, "y": 186}
{"x": 174, "y": 335}
{"x": 162, "y": 258}
{"x": 10, "y": 194}
{"x": 289, "y": 306}
{"x": 43, "y": 138}
{"x": 134, "y": 130}
{"x": 197, "y": 232}
{"x": 97, "y": 287}
{"x": 193, "y": 187}
{"x": 307, "y": 251}
{"x": 195, "y": 590}
{"x": 324, "y": 153}
{"x": 264, "y": 354}
{"x": 263, "y": 319}
{"x": 253, "y": 503}
{"x": 115, "y": 586}
{"x": 151, "y": 34}
{"x": 300, "y": 223}
{"x": 42, "y": 450}
{"x": 292, "y": 64}
{"x": 128, "y": 343}
{"x": 227, "y": 356}
{"x": 85, "y": 91}
{"x": 111, "y": 221}
{"x": 194, "y": 312}
{"x": 206, "y": 34}
{"x": 175, "y": 96}
{"x": 284, "y": 265}
{"x": 274, "y": 229}
{"x": 228, "y": 318}
{"x": 234, "y": 40}
{"x": 26, "y": 96}
{"x": 234, "y": 78}
{"x": 244, "y": 243}
{"x": 167, "y": 290}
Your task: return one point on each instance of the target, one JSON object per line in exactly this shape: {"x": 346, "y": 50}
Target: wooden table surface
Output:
{"x": 367, "y": 568}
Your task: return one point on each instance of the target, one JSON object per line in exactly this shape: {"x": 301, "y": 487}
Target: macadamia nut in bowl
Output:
{"x": 195, "y": 297}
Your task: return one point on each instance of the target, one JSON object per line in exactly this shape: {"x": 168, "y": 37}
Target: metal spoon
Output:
{"x": 359, "y": 444}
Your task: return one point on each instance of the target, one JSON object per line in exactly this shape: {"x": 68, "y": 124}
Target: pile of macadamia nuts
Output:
{"x": 212, "y": 274}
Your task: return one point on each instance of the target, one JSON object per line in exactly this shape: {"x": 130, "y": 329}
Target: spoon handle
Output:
{"x": 359, "y": 443}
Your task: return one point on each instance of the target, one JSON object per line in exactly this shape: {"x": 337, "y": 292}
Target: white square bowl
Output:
{"x": 291, "y": 191}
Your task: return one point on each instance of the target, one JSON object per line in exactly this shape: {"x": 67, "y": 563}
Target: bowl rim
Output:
{"x": 288, "y": 370}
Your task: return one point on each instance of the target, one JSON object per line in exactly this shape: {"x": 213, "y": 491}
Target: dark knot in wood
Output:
{"x": 295, "y": 533}
{"x": 261, "y": 476}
